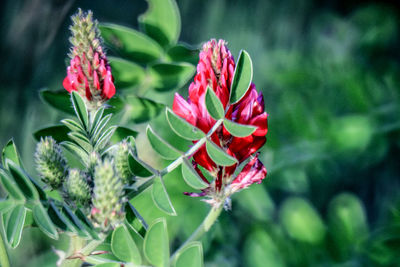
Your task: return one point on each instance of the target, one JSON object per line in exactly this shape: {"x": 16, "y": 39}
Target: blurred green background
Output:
{"x": 329, "y": 71}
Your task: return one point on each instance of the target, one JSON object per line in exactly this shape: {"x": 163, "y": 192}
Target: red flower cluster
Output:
{"x": 89, "y": 72}
{"x": 86, "y": 76}
{"x": 216, "y": 69}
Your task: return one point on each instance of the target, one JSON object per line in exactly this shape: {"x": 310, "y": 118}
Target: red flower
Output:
{"x": 216, "y": 69}
{"x": 89, "y": 72}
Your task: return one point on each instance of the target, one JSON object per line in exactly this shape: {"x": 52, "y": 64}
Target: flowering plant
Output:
{"x": 90, "y": 171}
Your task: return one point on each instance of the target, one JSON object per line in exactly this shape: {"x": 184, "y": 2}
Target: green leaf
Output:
{"x": 76, "y": 150}
{"x": 191, "y": 177}
{"x": 242, "y": 77}
{"x": 126, "y": 73}
{"x": 141, "y": 109}
{"x": 121, "y": 133}
{"x": 214, "y": 105}
{"x": 43, "y": 221}
{"x": 59, "y": 100}
{"x": 105, "y": 138}
{"x": 74, "y": 222}
{"x": 218, "y": 155}
{"x": 301, "y": 221}
{"x": 22, "y": 180}
{"x": 183, "y": 52}
{"x": 58, "y": 132}
{"x": 10, "y": 186}
{"x": 239, "y": 130}
{"x": 6, "y": 205}
{"x": 81, "y": 140}
{"x": 156, "y": 244}
{"x": 80, "y": 109}
{"x": 170, "y": 76}
{"x": 15, "y": 225}
{"x": 130, "y": 43}
{"x": 57, "y": 218}
{"x": 162, "y": 21}
{"x": 94, "y": 120}
{"x": 123, "y": 246}
{"x": 182, "y": 128}
{"x": 10, "y": 152}
{"x": 137, "y": 168}
{"x": 134, "y": 219}
{"x": 87, "y": 225}
{"x": 162, "y": 147}
{"x": 161, "y": 198}
{"x": 97, "y": 130}
{"x": 73, "y": 125}
{"x": 190, "y": 256}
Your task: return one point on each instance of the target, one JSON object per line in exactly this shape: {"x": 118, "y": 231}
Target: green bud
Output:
{"x": 107, "y": 196}
{"x": 121, "y": 158}
{"x": 77, "y": 188}
{"x": 50, "y": 162}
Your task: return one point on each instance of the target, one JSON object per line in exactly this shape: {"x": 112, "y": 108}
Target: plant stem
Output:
{"x": 203, "y": 228}
{"x": 79, "y": 247}
{"x": 3, "y": 253}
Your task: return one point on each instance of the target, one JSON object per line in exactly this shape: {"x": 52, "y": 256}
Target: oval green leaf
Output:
{"x": 214, "y": 105}
{"x": 239, "y": 130}
{"x": 242, "y": 77}
{"x": 162, "y": 147}
{"x": 23, "y": 181}
{"x": 191, "y": 177}
{"x": 121, "y": 133}
{"x": 141, "y": 109}
{"x": 10, "y": 186}
{"x": 126, "y": 73}
{"x": 130, "y": 43}
{"x": 80, "y": 109}
{"x": 170, "y": 76}
{"x": 162, "y": 21}
{"x": 183, "y": 52}
{"x": 58, "y": 132}
{"x": 15, "y": 225}
{"x": 137, "y": 168}
{"x": 10, "y": 152}
{"x": 123, "y": 246}
{"x": 219, "y": 156}
{"x": 301, "y": 221}
{"x": 156, "y": 243}
{"x": 161, "y": 198}
{"x": 59, "y": 100}
{"x": 42, "y": 219}
{"x": 190, "y": 256}
{"x": 182, "y": 128}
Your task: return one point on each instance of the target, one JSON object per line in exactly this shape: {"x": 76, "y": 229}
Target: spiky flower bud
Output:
{"x": 121, "y": 158}
{"x": 107, "y": 197}
{"x": 50, "y": 162}
{"x": 77, "y": 188}
{"x": 89, "y": 72}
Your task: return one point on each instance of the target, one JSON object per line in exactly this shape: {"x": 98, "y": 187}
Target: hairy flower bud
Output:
{"x": 50, "y": 162}
{"x": 76, "y": 187}
{"x": 89, "y": 72}
{"x": 121, "y": 158}
{"x": 107, "y": 197}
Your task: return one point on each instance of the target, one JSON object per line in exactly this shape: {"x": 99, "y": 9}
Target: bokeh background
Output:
{"x": 329, "y": 71}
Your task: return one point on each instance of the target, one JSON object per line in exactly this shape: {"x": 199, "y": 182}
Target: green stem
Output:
{"x": 79, "y": 247}
{"x": 3, "y": 252}
{"x": 203, "y": 228}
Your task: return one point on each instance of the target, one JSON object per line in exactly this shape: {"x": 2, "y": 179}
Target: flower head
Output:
{"x": 89, "y": 72}
{"x": 215, "y": 70}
